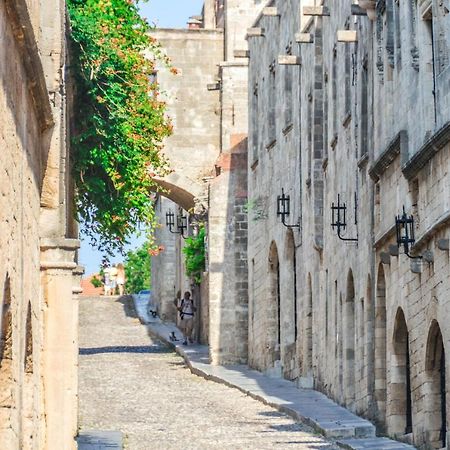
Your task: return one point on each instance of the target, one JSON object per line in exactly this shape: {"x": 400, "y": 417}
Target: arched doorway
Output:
{"x": 437, "y": 390}
{"x": 349, "y": 342}
{"x": 273, "y": 330}
{"x": 400, "y": 385}
{"x": 380, "y": 346}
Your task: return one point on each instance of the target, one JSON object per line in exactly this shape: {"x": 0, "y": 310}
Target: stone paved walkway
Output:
{"x": 130, "y": 382}
{"x": 305, "y": 405}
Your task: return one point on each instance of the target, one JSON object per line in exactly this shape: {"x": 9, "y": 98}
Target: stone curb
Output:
{"x": 355, "y": 436}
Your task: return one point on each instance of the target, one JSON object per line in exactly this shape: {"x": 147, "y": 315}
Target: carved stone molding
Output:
{"x": 399, "y": 145}
{"x": 23, "y": 30}
{"x": 427, "y": 152}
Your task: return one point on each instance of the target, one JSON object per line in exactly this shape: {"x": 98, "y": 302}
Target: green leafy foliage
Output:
{"x": 119, "y": 121}
{"x": 194, "y": 251}
{"x": 96, "y": 282}
{"x": 138, "y": 269}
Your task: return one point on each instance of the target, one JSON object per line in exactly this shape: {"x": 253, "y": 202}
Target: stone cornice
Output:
{"x": 426, "y": 152}
{"x": 397, "y": 146}
{"x": 23, "y": 31}
{"x": 386, "y": 235}
{"x": 441, "y": 222}
{"x": 58, "y": 265}
{"x": 59, "y": 243}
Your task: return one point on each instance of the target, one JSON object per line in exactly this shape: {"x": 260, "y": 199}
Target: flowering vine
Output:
{"x": 119, "y": 121}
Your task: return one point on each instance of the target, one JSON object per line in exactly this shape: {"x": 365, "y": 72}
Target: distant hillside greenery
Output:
{"x": 138, "y": 269}
{"x": 119, "y": 121}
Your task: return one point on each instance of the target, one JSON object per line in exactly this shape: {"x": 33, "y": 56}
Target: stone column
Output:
{"x": 60, "y": 344}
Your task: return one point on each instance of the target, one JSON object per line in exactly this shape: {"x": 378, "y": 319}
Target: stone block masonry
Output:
{"x": 368, "y": 320}
{"x": 38, "y": 270}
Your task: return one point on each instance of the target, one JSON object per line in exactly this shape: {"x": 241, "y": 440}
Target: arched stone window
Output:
{"x": 380, "y": 346}
{"x": 436, "y": 388}
{"x": 400, "y": 416}
{"x": 349, "y": 342}
{"x": 6, "y": 369}
{"x": 274, "y": 307}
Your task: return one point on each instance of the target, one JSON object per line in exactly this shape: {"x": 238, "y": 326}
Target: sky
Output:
{"x": 164, "y": 14}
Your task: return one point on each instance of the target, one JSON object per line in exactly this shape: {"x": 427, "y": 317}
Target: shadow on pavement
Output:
{"x": 128, "y": 307}
{"x": 156, "y": 348}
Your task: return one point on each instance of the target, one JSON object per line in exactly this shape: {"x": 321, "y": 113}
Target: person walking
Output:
{"x": 120, "y": 278}
{"x": 187, "y": 310}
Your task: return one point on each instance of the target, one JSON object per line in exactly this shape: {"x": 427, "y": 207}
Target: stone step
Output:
{"x": 377, "y": 443}
{"x": 100, "y": 440}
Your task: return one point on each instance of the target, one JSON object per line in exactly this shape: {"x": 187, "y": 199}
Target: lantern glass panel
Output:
{"x": 287, "y": 205}
{"x": 279, "y": 203}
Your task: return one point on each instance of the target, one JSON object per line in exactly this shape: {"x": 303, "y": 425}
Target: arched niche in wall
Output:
{"x": 308, "y": 330}
{"x": 349, "y": 342}
{"x": 28, "y": 388}
{"x": 290, "y": 284}
{"x": 7, "y": 404}
{"x": 380, "y": 347}
{"x": 400, "y": 411}
{"x": 273, "y": 320}
{"x": 436, "y": 389}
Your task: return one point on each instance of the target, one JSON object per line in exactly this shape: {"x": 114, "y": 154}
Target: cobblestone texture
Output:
{"x": 131, "y": 383}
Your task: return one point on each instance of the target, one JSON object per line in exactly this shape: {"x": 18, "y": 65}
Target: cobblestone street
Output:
{"x": 136, "y": 385}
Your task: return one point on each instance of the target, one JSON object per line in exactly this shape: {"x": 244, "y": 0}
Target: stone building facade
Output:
{"x": 208, "y": 155}
{"x": 38, "y": 244}
{"x": 351, "y": 108}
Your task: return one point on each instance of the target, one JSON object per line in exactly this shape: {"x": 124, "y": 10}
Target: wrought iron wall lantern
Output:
{"x": 339, "y": 219}
{"x": 284, "y": 209}
{"x": 181, "y": 223}
{"x": 404, "y": 227}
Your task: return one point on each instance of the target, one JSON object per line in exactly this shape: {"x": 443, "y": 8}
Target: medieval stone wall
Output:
{"x": 367, "y": 126}
{"x": 37, "y": 262}
{"x": 194, "y": 110}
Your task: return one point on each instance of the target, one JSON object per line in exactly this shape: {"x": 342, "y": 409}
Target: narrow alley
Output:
{"x": 135, "y": 385}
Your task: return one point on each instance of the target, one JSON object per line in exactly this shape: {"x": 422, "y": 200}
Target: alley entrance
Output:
{"x": 132, "y": 383}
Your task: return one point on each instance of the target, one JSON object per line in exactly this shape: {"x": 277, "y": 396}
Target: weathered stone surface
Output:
{"x": 362, "y": 123}
{"x": 36, "y": 197}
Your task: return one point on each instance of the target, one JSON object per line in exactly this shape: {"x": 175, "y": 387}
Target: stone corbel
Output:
{"x": 289, "y": 60}
{"x": 385, "y": 258}
{"x": 241, "y": 53}
{"x": 304, "y": 38}
{"x": 213, "y": 86}
{"x": 357, "y": 10}
{"x": 443, "y": 244}
{"x": 347, "y": 36}
{"x": 428, "y": 256}
{"x": 271, "y": 11}
{"x": 255, "y": 32}
{"x": 393, "y": 250}
{"x": 416, "y": 265}
{"x": 370, "y": 7}
{"x": 316, "y": 11}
